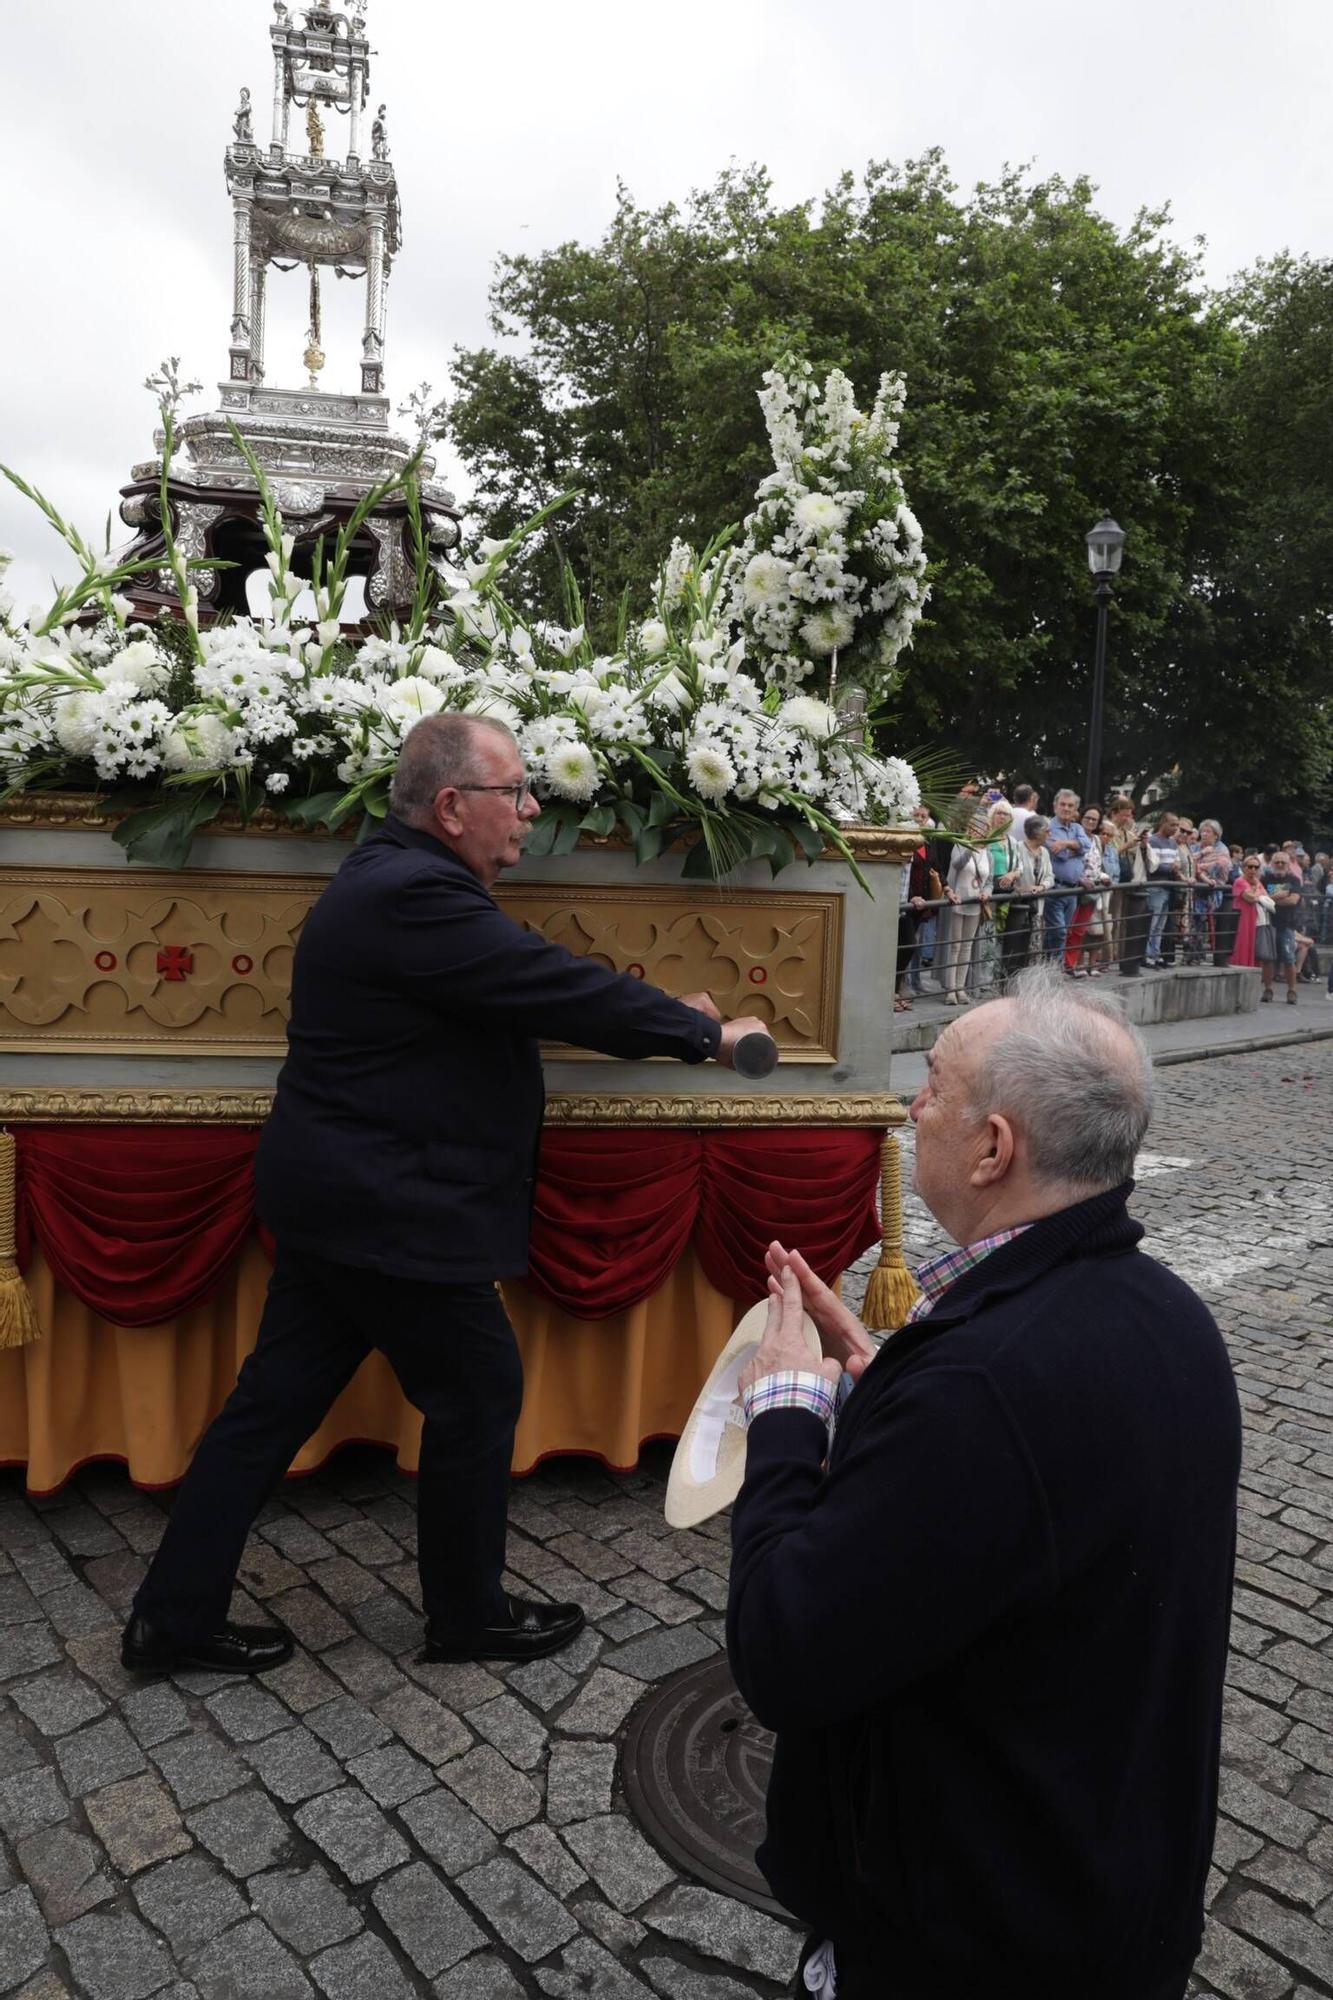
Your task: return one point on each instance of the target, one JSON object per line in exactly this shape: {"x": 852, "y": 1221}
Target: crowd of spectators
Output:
{"x": 996, "y": 883}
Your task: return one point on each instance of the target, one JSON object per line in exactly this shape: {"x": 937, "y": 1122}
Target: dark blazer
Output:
{"x": 404, "y": 1131}
{"x": 992, "y": 1637}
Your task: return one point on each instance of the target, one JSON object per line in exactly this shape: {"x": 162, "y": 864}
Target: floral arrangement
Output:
{"x": 712, "y": 721}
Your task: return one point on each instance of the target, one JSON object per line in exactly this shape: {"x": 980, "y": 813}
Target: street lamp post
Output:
{"x": 1106, "y": 546}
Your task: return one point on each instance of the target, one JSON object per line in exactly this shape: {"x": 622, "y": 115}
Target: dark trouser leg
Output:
{"x": 1015, "y": 941}
{"x": 306, "y": 1353}
{"x": 453, "y": 1350}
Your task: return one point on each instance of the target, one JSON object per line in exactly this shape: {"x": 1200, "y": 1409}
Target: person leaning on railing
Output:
{"x": 1034, "y": 873}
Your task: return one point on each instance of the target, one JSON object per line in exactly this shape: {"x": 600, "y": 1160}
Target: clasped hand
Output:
{"x": 793, "y": 1289}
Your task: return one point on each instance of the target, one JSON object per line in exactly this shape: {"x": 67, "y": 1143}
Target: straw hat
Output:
{"x": 709, "y": 1464}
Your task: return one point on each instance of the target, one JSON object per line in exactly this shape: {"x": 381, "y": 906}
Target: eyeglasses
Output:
{"x": 519, "y": 793}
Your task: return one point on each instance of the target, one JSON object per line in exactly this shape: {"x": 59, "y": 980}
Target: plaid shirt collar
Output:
{"x": 936, "y": 1276}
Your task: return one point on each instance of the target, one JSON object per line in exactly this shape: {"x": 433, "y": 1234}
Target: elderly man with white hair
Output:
{"x": 988, "y": 1618}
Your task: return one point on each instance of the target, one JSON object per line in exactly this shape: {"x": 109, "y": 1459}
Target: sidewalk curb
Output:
{"x": 1255, "y": 1046}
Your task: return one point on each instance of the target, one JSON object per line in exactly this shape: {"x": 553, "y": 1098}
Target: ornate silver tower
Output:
{"x": 303, "y": 203}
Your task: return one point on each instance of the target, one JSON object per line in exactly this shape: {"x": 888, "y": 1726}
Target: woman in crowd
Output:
{"x": 970, "y": 883}
{"x": 920, "y": 888}
{"x": 1034, "y": 872}
{"x": 1254, "y": 909}
{"x": 1213, "y": 872}
{"x": 1087, "y": 929}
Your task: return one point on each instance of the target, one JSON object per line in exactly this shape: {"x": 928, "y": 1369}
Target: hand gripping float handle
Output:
{"x": 755, "y": 1056}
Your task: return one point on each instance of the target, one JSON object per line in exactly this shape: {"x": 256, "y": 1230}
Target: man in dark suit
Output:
{"x": 396, "y": 1173}
{"x": 989, "y": 1621}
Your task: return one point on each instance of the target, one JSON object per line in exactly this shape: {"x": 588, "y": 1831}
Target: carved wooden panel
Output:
{"x": 119, "y": 962}
{"x": 774, "y": 955}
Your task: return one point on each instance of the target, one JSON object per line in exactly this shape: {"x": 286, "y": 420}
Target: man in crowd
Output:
{"x": 1070, "y": 850}
{"x": 1279, "y": 878}
{"x": 989, "y": 1622}
{"x": 396, "y": 1173}
{"x": 1161, "y": 854}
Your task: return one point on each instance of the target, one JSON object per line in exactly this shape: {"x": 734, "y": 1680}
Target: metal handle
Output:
{"x": 754, "y": 1056}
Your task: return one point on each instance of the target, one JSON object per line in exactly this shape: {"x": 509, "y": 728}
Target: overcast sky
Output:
{"x": 509, "y": 126}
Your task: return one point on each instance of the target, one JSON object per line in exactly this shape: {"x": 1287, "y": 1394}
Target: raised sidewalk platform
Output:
{"x": 1185, "y": 993}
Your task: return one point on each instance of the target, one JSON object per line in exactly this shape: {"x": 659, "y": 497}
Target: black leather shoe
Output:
{"x": 530, "y": 1631}
{"x": 234, "y": 1649}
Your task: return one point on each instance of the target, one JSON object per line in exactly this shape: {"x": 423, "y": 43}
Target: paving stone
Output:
{"x": 343, "y": 1581}
{"x": 265, "y": 1573}
{"x": 457, "y": 1685}
{"x": 43, "y": 1568}
{"x": 652, "y": 1554}
{"x": 525, "y": 1913}
{"x": 578, "y": 1656}
{"x": 622, "y": 1864}
{"x": 481, "y": 1978}
{"x": 366, "y": 1543}
{"x": 301, "y": 1684}
{"x": 48, "y": 1985}
{"x": 544, "y": 1683}
{"x": 627, "y": 1624}
{"x": 198, "y": 1768}
{"x": 76, "y": 1611}
{"x": 249, "y": 1963}
{"x": 661, "y": 1653}
{"x": 365, "y": 1969}
{"x": 16, "y": 1752}
{"x": 189, "y": 1900}
{"x": 502, "y": 1796}
{"x": 137, "y": 1823}
{"x": 245, "y": 1831}
{"x": 304, "y": 1907}
{"x": 296, "y": 1539}
{"x": 25, "y": 1649}
{"x": 585, "y": 1968}
{"x": 546, "y": 1855}
{"x": 29, "y": 1801}
{"x": 599, "y": 1560}
{"x": 245, "y": 1713}
{"x": 618, "y": 1932}
{"x": 569, "y": 1586}
{"x": 514, "y": 1730}
{"x": 720, "y": 1927}
{"x": 24, "y": 1940}
{"x": 65, "y": 1870}
{"x": 364, "y": 1670}
{"x": 1234, "y": 1844}
{"x": 114, "y": 1956}
{"x": 98, "y": 1755}
{"x": 1242, "y": 1799}
{"x": 670, "y": 1607}
{"x": 1296, "y": 1880}
{"x": 141, "y": 1524}
{"x": 579, "y": 1778}
{"x": 352, "y": 1831}
{"x": 451, "y": 1834}
{"x": 18, "y": 1605}
{"x": 433, "y": 1731}
{"x": 1306, "y": 1944}
{"x": 679, "y": 1982}
{"x": 293, "y": 1765}
{"x": 601, "y": 1705}
{"x": 58, "y": 1702}
{"x": 391, "y": 1775}
{"x": 83, "y": 1531}
{"x": 707, "y": 1585}
{"x": 430, "y": 1925}
{"x": 389, "y": 1623}
{"x": 347, "y": 1726}
{"x": 310, "y": 1618}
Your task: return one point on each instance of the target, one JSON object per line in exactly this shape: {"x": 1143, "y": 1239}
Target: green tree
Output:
{"x": 1056, "y": 366}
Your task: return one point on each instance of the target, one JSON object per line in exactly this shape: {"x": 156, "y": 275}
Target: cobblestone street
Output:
{"x": 362, "y": 1824}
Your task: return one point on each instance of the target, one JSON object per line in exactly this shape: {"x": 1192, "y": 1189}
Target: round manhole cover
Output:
{"x": 695, "y": 1769}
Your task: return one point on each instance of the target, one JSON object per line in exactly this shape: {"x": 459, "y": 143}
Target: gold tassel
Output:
{"x": 18, "y": 1318}
{"x": 892, "y": 1291}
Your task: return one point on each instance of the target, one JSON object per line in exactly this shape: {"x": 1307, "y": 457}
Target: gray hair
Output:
{"x": 1072, "y": 1072}
{"x": 1036, "y": 827}
{"x": 439, "y": 750}
{"x": 1066, "y": 793}
{"x": 1215, "y": 824}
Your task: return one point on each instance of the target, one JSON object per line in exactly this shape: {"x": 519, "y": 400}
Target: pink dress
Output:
{"x": 1243, "y": 950}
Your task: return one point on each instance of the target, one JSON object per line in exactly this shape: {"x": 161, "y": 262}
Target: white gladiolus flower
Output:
{"x": 277, "y": 781}
{"x": 288, "y": 545}
{"x": 653, "y": 638}
{"x": 670, "y": 693}
{"x": 816, "y": 718}
{"x": 712, "y": 772}
{"x": 329, "y": 631}
{"x": 824, "y": 631}
{"x": 494, "y": 707}
{"x": 572, "y": 771}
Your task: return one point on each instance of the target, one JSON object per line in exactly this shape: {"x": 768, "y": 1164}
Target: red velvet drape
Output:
{"x": 141, "y": 1223}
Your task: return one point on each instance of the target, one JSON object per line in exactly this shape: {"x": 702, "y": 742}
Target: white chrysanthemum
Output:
{"x": 277, "y": 781}
{"x": 492, "y": 704}
{"x": 139, "y": 663}
{"x": 712, "y": 772}
{"x": 199, "y": 742}
{"x": 572, "y": 771}
{"x": 828, "y": 628}
{"x": 820, "y": 514}
{"x": 653, "y": 638}
{"x": 816, "y": 718}
{"x": 767, "y": 579}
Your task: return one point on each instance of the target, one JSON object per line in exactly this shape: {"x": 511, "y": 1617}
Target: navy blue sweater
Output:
{"x": 992, "y": 1635}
